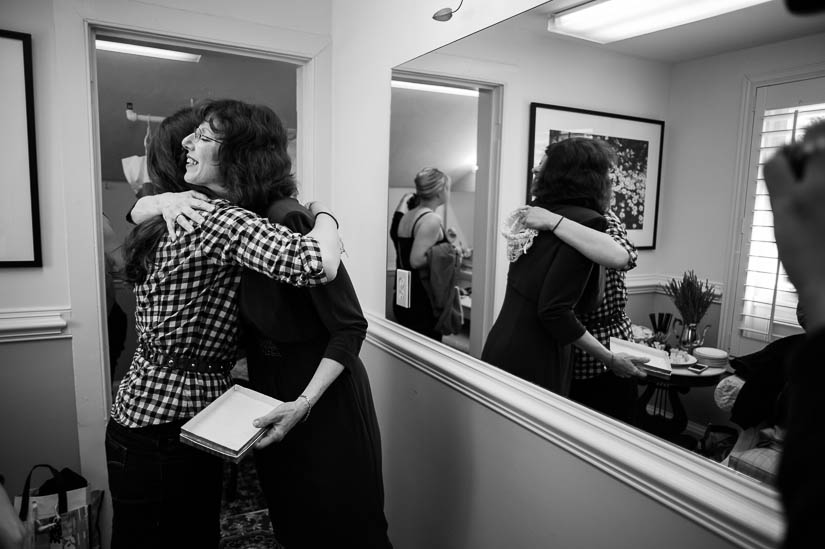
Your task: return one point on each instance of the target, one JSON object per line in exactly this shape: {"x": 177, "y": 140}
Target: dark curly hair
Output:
{"x": 576, "y": 170}
{"x": 253, "y": 159}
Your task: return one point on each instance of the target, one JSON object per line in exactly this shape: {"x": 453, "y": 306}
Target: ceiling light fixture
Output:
{"x": 605, "y": 21}
{"x": 433, "y": 88}
{"x": 146, "y": 51}
{"x": 445, "y": 14}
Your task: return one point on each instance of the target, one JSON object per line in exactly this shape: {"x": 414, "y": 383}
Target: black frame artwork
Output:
{"x": 638, "y": 144}
{"x": 20, "y": 217}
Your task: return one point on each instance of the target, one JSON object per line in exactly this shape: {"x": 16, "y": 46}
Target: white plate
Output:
{"x": 689, "y": 360}
{"x": 711, "y": 353}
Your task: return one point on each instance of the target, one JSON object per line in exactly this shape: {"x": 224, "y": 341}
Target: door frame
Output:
{"x": 488, "y": 159}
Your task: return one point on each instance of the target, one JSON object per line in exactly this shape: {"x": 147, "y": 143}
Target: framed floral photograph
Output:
{"x": 19, "y": 213}
{"x": 638, "y": 146}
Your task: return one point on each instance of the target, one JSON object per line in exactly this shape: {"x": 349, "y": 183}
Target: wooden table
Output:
{"x": 662, "y": 395}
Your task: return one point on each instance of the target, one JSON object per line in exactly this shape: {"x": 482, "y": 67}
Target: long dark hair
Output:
{"x": 166, "y": 163}
{"x": 253, "y": 159}
{"x": 576, "y": 170}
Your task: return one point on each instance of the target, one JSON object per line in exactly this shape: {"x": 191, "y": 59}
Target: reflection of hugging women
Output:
{"x": 188, "y": 333}
{"x": 550, "y": 282}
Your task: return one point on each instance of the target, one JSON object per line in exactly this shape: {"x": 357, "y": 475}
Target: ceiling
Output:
{"x": 750, "y": 27}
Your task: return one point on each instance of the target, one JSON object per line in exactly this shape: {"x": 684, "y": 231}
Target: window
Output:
{"x": 768, "y": 299}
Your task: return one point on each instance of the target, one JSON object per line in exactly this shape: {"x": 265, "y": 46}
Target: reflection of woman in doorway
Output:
{"x": 413, "y": 234}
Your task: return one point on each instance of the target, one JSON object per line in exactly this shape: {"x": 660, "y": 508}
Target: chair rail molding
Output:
{"x": 738, "y": 509}
{"x": 33, "y": 324}
{"x": 652, "y": 284}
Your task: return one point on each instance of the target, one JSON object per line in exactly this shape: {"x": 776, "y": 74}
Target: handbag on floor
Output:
{"x": 62, "y": 513}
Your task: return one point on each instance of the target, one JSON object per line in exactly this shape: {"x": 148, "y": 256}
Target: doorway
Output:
{"x": 139, "y": 80}
{"x": 453, "y": 125}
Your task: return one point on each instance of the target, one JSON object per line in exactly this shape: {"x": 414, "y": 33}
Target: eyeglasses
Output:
{"x": 200, "y": 136}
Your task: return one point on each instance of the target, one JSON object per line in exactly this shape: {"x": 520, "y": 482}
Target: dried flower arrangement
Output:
{"x": 691, "y": 296}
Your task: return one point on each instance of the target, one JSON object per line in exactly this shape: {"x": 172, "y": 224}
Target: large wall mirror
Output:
{"x": 465, "y": 109}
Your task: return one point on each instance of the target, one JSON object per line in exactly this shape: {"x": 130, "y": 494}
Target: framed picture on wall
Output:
{"x": 19, "y": 213}
{"x": 638, "y": 146}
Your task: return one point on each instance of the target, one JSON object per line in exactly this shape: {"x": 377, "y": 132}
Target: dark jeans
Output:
{"x": 164, "y": 494}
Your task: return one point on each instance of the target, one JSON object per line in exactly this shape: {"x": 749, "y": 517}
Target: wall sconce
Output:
{"x": 445, "y": 14}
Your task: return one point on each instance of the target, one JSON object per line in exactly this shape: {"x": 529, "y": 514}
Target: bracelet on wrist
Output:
{"x": 337, "y": 226}
{"x": 309, "y": 407}
{"x": 556, "y": 226}
{"x": 610, "y": 362}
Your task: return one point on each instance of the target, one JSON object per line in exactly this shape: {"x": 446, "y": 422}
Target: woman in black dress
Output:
{"x": 322, "y": 477}
{"x": 548, "y": 284}
{"x": 413, "y": 232}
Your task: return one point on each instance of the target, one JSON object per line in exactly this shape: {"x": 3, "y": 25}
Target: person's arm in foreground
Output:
{"x": 596, "y": 246}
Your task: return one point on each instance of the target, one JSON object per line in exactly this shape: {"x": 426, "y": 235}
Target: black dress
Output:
{"x": 419, "y": 316}
{"x": 532, "y": 335}
{"x": 323, "y": 482}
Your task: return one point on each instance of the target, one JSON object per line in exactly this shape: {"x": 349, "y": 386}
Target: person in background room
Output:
{"x": 116, "y": 321}
{"x": 548, "y": 280}
{"x": 611, "y": 392}
{"x": 166, "y": 494}
{"x": 417, "y": 231}
{"x": 795, "y": 178}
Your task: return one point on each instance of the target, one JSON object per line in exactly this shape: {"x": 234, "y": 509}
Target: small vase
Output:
{"x": 690, "y": 338}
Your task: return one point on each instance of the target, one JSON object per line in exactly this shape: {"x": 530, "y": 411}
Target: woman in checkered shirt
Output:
{"x": 166, "y": 494}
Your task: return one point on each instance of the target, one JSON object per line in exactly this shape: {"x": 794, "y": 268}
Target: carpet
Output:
{"x": 244, "y": 518}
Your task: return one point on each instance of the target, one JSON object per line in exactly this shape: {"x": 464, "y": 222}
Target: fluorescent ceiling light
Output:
{"x": 606, "y": 21}
{"x": 146, "y": 51}
{"x": 433, "y": 88}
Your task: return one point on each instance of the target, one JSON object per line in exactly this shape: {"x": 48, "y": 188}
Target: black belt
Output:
{"x": 187, "y": 364}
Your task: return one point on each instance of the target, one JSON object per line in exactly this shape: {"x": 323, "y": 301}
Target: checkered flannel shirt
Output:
{"x": 187, "y": 307}
{"x": 609, "y": 318}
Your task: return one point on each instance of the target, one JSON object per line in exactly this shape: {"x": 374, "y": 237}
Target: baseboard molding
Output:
{"x": 33, "y": 324}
